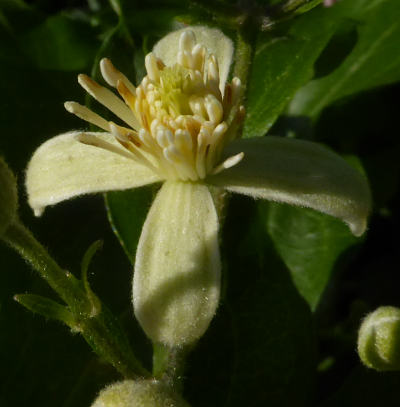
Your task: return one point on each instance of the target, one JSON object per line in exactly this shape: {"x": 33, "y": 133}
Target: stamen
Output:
{"x": 126, "y": 94}
{"x": 152, "y": 67}
{"x": 187, "y": 41}
{"x": 219, "y": 130}
{"x": 198, "y": 54}
{"x": 109, "y": 100}
{"x": 214, "y": 108}
{"x": 184, "y": 58}
{"x": 183, "y": 140}
{"x": 118, "y": 134}
{"x": 112, "y": 75}
{"x": 164, "y": 137}
{"x": 228, "y": 163}
{"x": 213, "y": 75}
{"x": 86, "y": 114}
{"x": 92, "y": 140}
{"x": 202, "y": 140}
{"x": 133, "y": 148}
{"x": 196, "y": 104}
{"x": 236, "y": 90}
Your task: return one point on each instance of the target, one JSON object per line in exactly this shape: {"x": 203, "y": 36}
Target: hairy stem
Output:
{"x": 169, "y": 364}
{"x": 244, "y": 55}
{"x": 100, "y": 329}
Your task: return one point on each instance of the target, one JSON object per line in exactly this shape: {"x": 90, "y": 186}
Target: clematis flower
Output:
{"x": 178, "y": 127}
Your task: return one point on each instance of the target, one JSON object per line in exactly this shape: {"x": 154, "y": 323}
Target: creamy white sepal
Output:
{"x": 214, "y": 40}
{"x": 299, "y": 173}
{"x": 176, "y": 282}
{"x": 63, "y": 168}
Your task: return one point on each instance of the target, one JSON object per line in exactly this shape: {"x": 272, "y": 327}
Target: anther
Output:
{"x": 151, "y": 67}
{"x": 187, "y": 41}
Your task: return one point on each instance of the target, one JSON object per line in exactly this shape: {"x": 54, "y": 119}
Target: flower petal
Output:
{"x": 299, "y": 173}
{"x": 215, "y": 41}
{"x": 177, "y": 272}
{"x": 63, "y": 168}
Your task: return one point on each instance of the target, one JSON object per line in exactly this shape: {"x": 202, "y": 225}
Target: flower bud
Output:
{"x": 379, "y": 339}
{"x": 141, "y": 393}
{"x": 8, "y": 197}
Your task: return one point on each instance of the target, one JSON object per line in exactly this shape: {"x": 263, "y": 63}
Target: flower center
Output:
{"x": 179, "y": 117}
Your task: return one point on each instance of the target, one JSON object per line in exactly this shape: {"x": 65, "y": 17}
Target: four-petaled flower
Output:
{"x": 178, "y": 127}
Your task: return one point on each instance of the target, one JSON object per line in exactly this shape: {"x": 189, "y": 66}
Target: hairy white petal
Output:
{"x": 177, "y": 272}
{"x": 299, "y": 173}
{"x": 214, "y": 40}
{"x": 64, "y": 167}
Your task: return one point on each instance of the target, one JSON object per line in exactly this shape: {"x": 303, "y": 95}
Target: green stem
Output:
{"x": 61, "y": 281}
{"x": 100, "y": 329}
{"x": 285, "y": 11}
{"x": 244, "y": 54}
{"x": 291, "y": 6}
{"x": 169, "y": 364}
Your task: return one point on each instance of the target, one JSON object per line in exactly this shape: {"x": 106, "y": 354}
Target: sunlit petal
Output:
{"x": 177, "y": 272}
{"x": 299, "y": 173}
{"x": 64, "y": 167}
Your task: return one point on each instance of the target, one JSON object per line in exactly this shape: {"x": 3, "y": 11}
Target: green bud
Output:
{"x": 379, "y": 339}
{"x": 141, "y": 393}
{"x": 8, "y": 197}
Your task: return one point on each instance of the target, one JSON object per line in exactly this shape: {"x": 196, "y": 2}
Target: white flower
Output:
{"x": 178, "y": 127}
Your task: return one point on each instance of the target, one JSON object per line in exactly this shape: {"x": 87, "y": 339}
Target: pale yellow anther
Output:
{"x": 152, "y": 67}
{"x": 228, "y": 163}
{"x": 109, "y": 100}
{"x": 198, "y": 54}
{"x": 86, "y": 114}
{"x": 183, "y": 141}
{"x": 214, "y": 109}
{"x": 187, "y": 41}
{"x": 220, "y": 130}
{"x": 196, "y": 103}
{"x": 236, "y": 89}
{"x": 213, "y": 71}
{"x": 112, "y": 75}
{"x": 91, "y": 140}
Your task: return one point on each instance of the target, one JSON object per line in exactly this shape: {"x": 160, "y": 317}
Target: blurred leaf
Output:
{"x": 61, "y": 44}
{"x": 309, "y": 243}
{"x": 375, "y": 60}
{"x": 283, "y": 63}
{"x": 127, "y": 212}
{"x": 367, "y": 388}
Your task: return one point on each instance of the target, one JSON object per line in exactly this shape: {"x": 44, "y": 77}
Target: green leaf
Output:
{"x": 271, "y": 328}
{"x": 127, "y": 212}
{"x": 374, "y": 61}
{"x": 282, "y": 64}
{"x": 47, "y": 308}
{"x": 60, "y": 43}
{"x": 309, "y": 243}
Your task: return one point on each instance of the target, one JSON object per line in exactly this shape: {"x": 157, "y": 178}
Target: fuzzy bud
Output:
{"x": 8, "y": 197}
{"x": 141, "y": 393}
{"x": 379, "y": 339}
